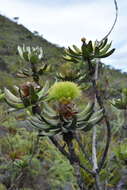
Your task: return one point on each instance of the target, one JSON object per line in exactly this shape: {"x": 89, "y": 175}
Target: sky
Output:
{"x": 65, "y": 22}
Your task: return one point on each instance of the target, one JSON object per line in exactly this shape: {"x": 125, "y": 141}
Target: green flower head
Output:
{"x": 64, "y": 91}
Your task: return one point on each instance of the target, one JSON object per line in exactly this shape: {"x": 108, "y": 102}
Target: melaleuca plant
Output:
{"x": 30, "y": 93}
{"x": 65, "y": 119}
{"x": 89, "y": 50}
{"x": 69, "y": 71}
{"x": 53, "y": 110}
{"x": 27, "y": 94}
{"x": 121, "y": 103}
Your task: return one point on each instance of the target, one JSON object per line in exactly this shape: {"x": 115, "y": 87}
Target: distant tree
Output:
{"x": 36, "y": 33}
{"x": 16, "y": 19}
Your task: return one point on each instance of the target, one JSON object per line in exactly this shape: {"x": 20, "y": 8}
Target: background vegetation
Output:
{"x": 49, "y": 169}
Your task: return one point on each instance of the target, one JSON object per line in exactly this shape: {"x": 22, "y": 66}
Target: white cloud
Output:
{"x": 65, "y": 25}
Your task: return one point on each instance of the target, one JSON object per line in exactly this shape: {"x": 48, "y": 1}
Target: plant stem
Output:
{"x": 100, "y": 102}
{"x": 35, "y": 74}
{"x": 94, "y": 140}
{"x": 67, "y": 155}
{"x": 82, "y": 147}
{"x": 72, "y": 158}
{"x": 97, "y": 182}
{"x": 94, "y": 156}
{"x": 60, "y": 148}
{"x": 75, "y": 163}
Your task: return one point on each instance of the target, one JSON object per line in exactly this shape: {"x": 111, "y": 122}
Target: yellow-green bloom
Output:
{"x": 64, "y": 91}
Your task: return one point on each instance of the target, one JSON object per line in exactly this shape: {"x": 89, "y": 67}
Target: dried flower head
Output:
{"x": 26, "y": 88}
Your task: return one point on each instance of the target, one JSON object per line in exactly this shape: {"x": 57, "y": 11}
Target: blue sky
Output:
{"x": 64, "y": 22}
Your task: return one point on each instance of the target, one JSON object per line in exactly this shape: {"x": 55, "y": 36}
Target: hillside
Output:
{"x": 13, "y": 34}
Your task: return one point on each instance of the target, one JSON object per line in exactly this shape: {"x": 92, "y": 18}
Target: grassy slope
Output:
{"x": 13, "y": 34}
